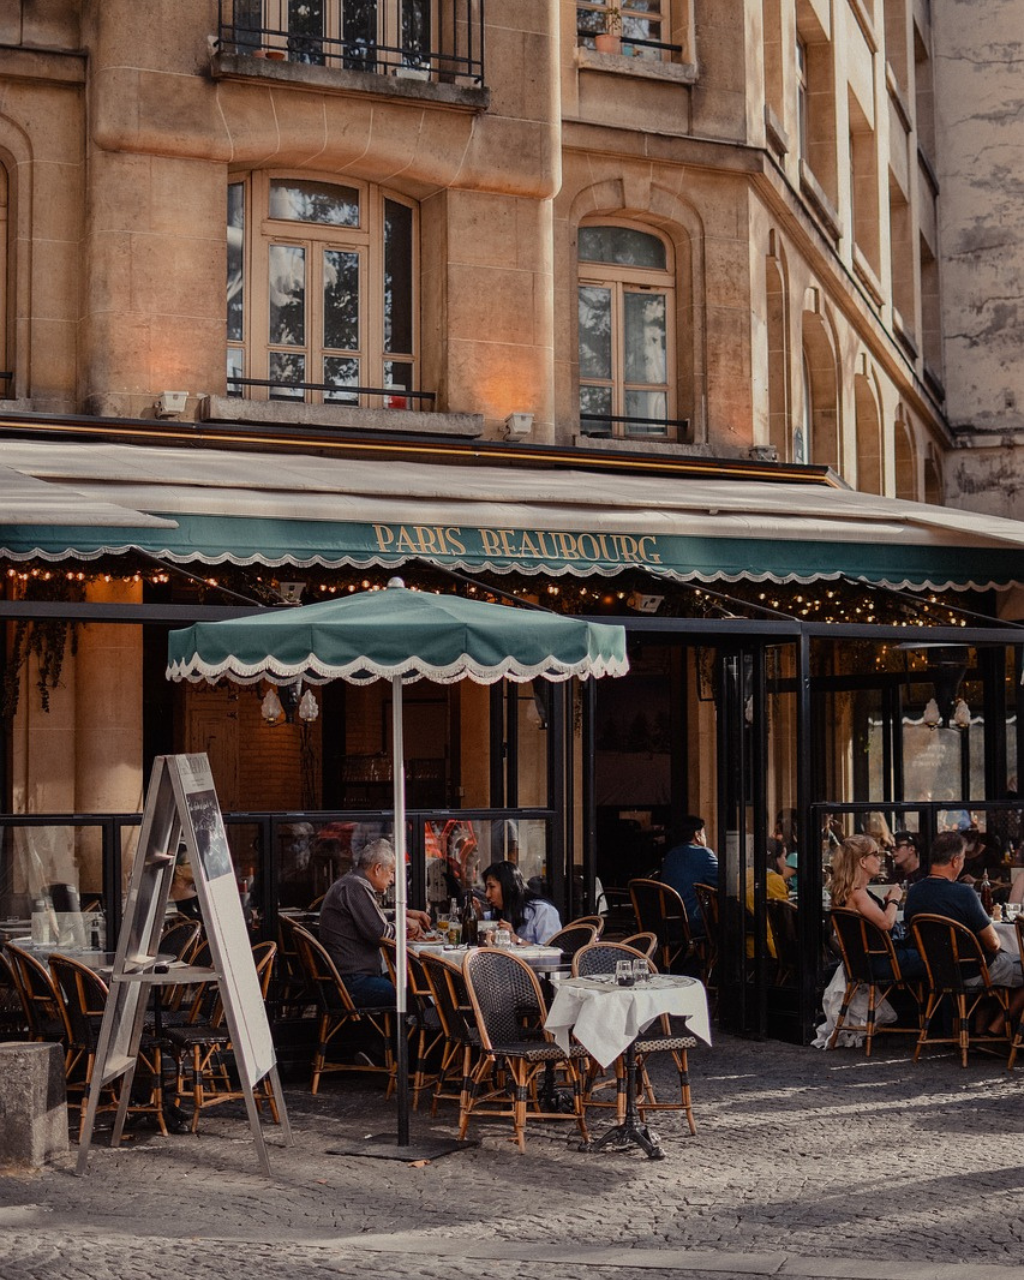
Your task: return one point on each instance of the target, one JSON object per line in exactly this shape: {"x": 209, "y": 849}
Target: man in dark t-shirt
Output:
{"x": 940, "y": 894}
{"x": 690, "y": 863}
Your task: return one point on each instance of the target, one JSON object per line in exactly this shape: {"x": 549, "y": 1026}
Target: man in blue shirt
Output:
{"x": 940, "y": 894}
{"x": 691, "y": 862}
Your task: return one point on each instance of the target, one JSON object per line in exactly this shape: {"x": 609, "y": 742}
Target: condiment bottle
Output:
{"x": 986, "y": 892}
{"x": 470, "y": 926}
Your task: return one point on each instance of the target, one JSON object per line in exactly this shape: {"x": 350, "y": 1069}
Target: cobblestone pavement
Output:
{"x": 805, "y": 1163}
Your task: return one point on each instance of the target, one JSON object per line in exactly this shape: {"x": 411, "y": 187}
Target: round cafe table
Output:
{"x": 608, "y": 1020}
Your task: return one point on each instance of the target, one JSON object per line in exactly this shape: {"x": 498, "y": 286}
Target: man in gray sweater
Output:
{"x": 352, "y": 925}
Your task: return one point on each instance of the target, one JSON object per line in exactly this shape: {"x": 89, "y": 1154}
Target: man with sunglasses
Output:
{"x": 907, "y": 858}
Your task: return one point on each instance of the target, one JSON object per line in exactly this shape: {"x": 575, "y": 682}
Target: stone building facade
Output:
{"x": 674, "y": 229}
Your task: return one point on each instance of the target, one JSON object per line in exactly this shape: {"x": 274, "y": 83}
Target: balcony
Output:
{"x": 438, "y": 42}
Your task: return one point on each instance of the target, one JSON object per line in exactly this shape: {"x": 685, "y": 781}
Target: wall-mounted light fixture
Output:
{"x": 641, "y": 603}
{"x": 290, "y": 592}
{"x": 518, "y": 425}
{"x": 170, "y": 404}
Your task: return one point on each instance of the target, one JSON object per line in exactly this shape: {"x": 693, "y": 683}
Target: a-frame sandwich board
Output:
{"x": 182, "y": 810}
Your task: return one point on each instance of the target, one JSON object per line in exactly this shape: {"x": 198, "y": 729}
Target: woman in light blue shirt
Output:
{"x": 528, "y": 916}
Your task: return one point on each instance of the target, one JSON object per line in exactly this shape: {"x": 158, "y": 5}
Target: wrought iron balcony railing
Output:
{"x": 440, "y": 41}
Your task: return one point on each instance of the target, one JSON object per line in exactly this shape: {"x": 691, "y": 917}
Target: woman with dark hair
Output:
{"x": 527, "y": 916}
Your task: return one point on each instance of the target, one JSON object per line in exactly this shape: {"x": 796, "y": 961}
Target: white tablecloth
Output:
{"x": 529, "y": 952}
{"x": 605, "y": 1019}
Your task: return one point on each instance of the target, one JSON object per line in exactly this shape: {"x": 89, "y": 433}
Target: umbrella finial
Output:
{"x": 396, "y": 582}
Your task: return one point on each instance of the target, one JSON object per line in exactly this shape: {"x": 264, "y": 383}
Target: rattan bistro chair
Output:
{"x": 953, "y": 956}
{"x": 84, "y": 996}
{"x": 1018, "y": 1033}
{"x": 206, "y": 1042}
{"x": 601, "y": 958}
{"x": 645, "y": 943}
{"x": 337, "y": 1011}
{"x": 861, "y": 943}
{"x": 660, "y": 910}
{"x": 461, "y": 1038}
{"x": 597, "y": 921}
{"x": 573, "y": 937}
{"x": 508, "y": 1004}
{"x": 43, "y": 1007}
{"x": 707, "y": 905}
{"x": 425, "y": 1031}
{"x": 784, "y": 923}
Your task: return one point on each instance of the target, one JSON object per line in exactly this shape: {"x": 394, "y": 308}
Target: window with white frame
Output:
{"x": 642, "y": 26}
{"x": 626, "y": 313}
{"x": 320, "y": 292}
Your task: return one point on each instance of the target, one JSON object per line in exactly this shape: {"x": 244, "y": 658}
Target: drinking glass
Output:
{"x": 623, "y": 973}
{"x": 455, "y": 932}
{"x": 641, "y": 973}
{"x": 502, "y": 938}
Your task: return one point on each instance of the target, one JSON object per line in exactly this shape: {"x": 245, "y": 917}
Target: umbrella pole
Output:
{"x": 401, "y": 904}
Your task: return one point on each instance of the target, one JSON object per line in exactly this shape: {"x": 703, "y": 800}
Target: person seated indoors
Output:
{"x": 941, "y": 893}
{"x": 907, "y": 858}
{"x": 527, "y": 916}
{"x": 353, "y": 925}
{"x": 855, "y": 864}
{"x": 777, "y": 877}
{"x": 981, "y": 853}
{"x": 690, "y": 863}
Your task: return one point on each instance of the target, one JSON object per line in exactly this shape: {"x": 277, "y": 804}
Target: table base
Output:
{"x": 631, "y": 1131}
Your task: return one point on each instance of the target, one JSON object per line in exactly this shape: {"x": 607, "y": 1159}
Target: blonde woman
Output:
{"x": 854, "y": 865}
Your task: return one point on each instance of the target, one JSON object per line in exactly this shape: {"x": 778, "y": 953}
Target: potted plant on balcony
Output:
{"x": 610, "y": 40}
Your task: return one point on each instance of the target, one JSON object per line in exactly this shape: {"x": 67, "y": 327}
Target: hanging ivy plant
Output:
{"x": 45, "y": 639}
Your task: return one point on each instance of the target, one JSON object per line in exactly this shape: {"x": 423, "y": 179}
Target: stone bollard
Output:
{"x": 33, "y": 1105}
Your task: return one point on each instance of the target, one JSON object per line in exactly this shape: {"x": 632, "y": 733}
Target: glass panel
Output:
{"x": 339, "y": 372}
{"x": 596, "y": 400}
{"x": 397, "y": 373}
{"x": 56, "y": 873}
{"x": 645, "y": 337}
{"x": 623, "y": 246}
{"x": 236, "y": 261}
{"x": 595, "y": 322}
{"x": 286, "y": 368}
{"x": 459, "y": 850}
{"x": 416, "y": 32}
{"x": 646, "y": 404}
{"x": 305, "y": 27}
{"x": 341, "y": 300}
{"x": 359, "y": 32}
{"x": 287, "y": 295}
{"x": 248, "y": 23}
{"x": 236, "y": 369}
{"x": 397, "y": 277}
{"x": 318, "y": 202}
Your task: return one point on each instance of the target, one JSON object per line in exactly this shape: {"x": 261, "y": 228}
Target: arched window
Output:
{"x": 821, "y": 394}
{"x": 626, "y": 333}
{"x": 802, "y": 427}
{"x": 906, "y": 459}
{"x": 870, "y": 467}
{"x": 320, "y": 292}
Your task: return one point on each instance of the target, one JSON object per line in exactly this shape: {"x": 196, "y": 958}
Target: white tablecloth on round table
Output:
{"x": 606, "y": 1019}
{"x": 529, "y": 952}
{"x": 1007, "y": 938}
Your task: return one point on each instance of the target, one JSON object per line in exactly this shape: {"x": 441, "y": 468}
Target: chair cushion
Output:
{"x": 652, "y": 1044}
{"x": 534, "y": 1051}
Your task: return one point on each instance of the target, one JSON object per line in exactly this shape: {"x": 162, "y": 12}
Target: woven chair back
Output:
{"x": 573, "y": 938}
{"x": 597, "y": 921}
{"x": 84, "y": 994}
{"x": 42, "y": 1002}
{"x": 660, "y": 910}
{"x": 324, "y": 979}
{"x": 181, "y": 939}
{"x": 601, "y": 957}
{"x": 451, "y": 999}
{"x": 861, "y": 943}
{"x": 951, "y": 953}
{"x": 505, "y": 994}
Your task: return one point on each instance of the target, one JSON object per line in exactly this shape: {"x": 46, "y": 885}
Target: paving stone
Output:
{"x": 805, "y": 1164}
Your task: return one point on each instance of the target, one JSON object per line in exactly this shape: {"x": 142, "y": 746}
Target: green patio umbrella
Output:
{"x": 402, "y": 636}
